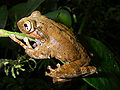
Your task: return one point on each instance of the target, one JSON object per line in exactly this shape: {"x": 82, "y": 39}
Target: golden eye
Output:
{"x": 28, "y": 26}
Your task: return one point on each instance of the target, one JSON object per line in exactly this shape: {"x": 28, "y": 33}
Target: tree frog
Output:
{"x": 54, "y": 40}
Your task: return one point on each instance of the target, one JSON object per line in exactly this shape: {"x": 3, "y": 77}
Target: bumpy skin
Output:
{"x": 55, "y": 40}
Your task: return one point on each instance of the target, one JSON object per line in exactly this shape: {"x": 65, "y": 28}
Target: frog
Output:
{"x": 54, "y": 40}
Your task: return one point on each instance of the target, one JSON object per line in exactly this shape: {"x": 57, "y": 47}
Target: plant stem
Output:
{"x": 5, "y": 33}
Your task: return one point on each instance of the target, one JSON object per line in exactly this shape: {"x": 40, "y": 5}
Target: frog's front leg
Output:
{"x": 39, "y": 52}
{"x": 67, "y": 71}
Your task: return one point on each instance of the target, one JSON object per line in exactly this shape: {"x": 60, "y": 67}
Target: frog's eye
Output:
{"x": 28, "y": 26}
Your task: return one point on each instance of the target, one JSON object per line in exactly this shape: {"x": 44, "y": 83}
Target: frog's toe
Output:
{"x": 58, "y": 66}
{"x": 27, "y": 42}
{"x": 47, "y": 74}
{"x": 25, "y": 39}
{"x": 52, "y": 72}
{"x": 49, "y": 67}
{"x": 12, "y": 36}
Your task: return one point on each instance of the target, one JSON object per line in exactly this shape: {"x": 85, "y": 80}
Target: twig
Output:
{"x": 5, "y": 33}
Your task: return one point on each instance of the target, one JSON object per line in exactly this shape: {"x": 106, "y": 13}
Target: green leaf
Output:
{"x": 35, "y": 64}
{"x": 3, "y": 16}
{"x": 6, "y": 70}
{"x": 13, "y": 72}
{"x": 82, "y": 25}
{"x": 61, "y": 16}
{"x": 31, "y": 6}
{"x": 23, "y": 9}
{"x": 17, "y": 11}
{"x": 22, "y": 69}
{"x": 50, "y": 5}
{"x": 105, "y": 62}
{"x": 17, "y": 72}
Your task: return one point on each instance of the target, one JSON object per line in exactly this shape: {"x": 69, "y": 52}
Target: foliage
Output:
{"x": 89, "y": 18}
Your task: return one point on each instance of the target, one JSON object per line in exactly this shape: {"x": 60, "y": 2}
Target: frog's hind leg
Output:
{"x": 68, "y": 71}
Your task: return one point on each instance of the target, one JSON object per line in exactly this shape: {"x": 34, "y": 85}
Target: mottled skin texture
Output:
{"x": 55, "y": 40}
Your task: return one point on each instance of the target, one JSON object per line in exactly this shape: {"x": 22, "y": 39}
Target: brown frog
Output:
{"x": 55, "y": 40}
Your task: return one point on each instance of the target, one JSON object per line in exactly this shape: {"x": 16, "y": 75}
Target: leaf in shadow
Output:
{"x": 105, "y": 62}
{"x": 24, "y": 9}
{"x": 3, "y": 16}
{"x": 31, "y": 5}
{"x": 49, "y": 5}
{"x": 61, "y": 16}
{"x": 17, "y": 11}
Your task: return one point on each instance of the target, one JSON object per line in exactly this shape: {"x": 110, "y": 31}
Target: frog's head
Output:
{"x": 28, "y": 25}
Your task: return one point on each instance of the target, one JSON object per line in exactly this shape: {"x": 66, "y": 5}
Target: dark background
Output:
{"x": 99, "y": 19}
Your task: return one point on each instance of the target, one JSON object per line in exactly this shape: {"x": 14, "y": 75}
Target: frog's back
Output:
{"x": 64, "y": 44}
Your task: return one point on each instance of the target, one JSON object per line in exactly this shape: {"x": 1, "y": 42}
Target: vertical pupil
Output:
{"x": 25, "y": 25}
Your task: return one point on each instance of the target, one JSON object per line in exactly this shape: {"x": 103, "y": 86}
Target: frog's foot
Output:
{"x": 12, "y": 36}
{"x": 39, "y": 52}
{"x": 56, "y": 74}
{"x": 68, "y": 71}
{"x": 52, "y": 71}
